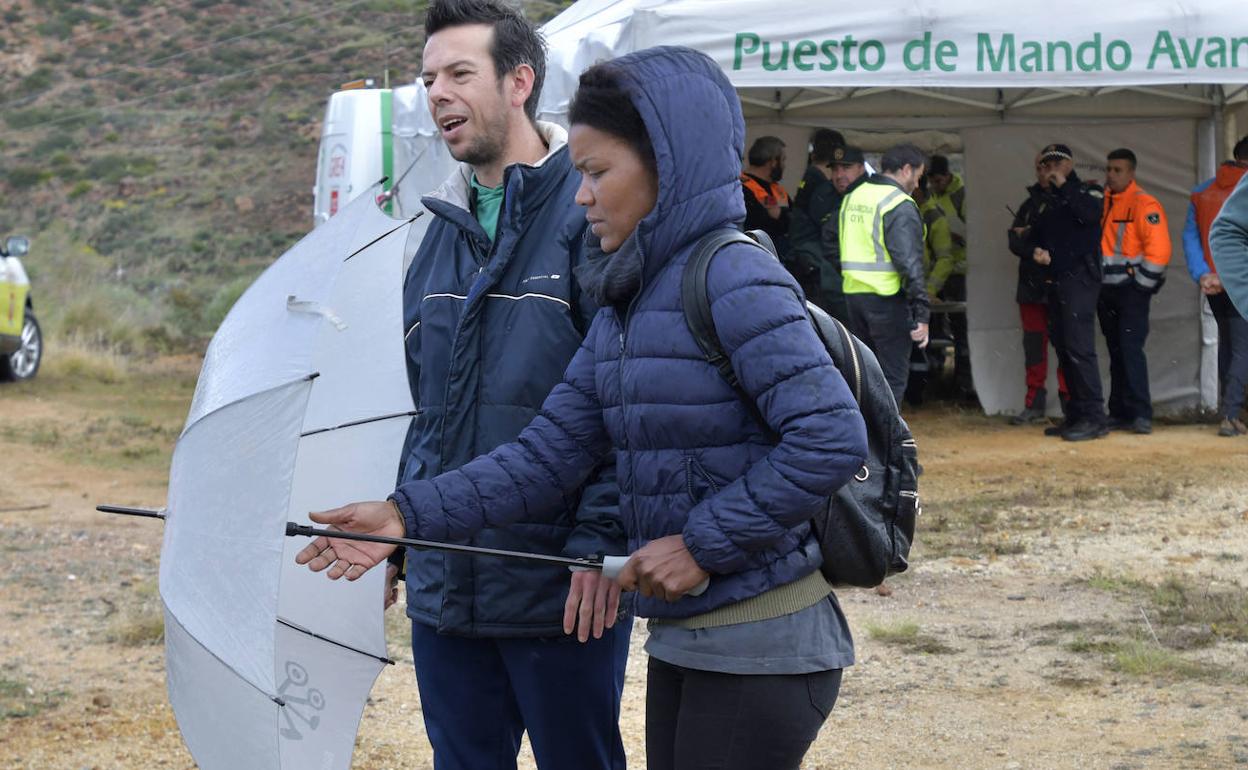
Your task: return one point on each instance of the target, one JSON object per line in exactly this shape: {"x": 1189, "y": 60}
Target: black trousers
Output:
{"x": 883, "y": 324}
{"x": 1072, "y": 329}
{"x": 1123, "y": 311}
{"x": 954, "y": 290}
{"x": 704, "y": 720}
{"x": 1232, "y": 353}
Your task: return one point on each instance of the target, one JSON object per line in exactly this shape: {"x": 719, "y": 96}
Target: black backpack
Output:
{"x": 867, "y": 526}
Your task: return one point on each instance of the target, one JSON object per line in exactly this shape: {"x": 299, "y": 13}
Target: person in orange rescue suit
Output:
{"x": 1135, "y": 245}
{"x": 767, "y": 206}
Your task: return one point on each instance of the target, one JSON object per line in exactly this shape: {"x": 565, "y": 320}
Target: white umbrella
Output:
{"x": 302, "y": 405}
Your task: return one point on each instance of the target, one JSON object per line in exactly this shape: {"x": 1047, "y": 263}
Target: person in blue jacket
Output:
{"x": 1228, "y": 241}
{"x": 492, "y": 318}
{"x": 1206, "y": 203}
{"x": 744, "y": 674}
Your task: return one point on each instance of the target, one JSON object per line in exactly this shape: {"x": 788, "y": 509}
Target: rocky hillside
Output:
{"x": 161, "y": 154}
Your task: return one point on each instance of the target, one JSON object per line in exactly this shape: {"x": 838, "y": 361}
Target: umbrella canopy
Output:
{"x": 302, "y": 404}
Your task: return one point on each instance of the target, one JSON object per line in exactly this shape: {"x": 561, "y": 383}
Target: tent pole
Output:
{"x": 1209, "y": 139}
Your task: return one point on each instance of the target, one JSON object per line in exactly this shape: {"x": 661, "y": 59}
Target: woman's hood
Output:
{"x": 694, "y": 119}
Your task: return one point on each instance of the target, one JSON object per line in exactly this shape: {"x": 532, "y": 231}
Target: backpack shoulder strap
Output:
{"x": 697, "y": 307}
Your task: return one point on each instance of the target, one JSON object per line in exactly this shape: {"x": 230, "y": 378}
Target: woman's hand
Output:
{"x": 663, "y": 569}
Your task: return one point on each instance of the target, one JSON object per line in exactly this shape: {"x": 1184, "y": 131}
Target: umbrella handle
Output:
{"x": 613, "y": 565}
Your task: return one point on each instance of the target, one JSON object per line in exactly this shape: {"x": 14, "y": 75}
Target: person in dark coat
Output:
{"x": 1033, "y": 307}
{"x": 1067, "y": 238}
{"x": 742, "y": 675}
{"x": 492, "y": 317}
{"x": 816, "y": 200}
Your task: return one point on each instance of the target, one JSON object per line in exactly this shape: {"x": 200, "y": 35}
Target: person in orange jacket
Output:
{"x": 766, "y": 201}
{"x": 1207, "y": 201}
{"x": 1135, "y": 244}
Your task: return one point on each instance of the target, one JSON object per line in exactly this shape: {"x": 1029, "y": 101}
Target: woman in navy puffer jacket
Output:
{"x": 743, "y": 675}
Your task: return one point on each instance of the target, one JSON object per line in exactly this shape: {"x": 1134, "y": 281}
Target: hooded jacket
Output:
{"x": 690, "y": 459}
{"x": 490, "y": 327}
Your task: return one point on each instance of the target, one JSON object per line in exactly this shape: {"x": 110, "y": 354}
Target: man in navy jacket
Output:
{"x": 492, "y": 317}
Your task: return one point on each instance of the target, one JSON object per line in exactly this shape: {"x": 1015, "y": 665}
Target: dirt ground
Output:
{"x": 1069, "y": 606}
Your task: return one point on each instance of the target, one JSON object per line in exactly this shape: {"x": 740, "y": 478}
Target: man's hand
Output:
{"x": 919, "y": 334}
{"x": 1210, "y": 283}
{"x": 392, "y": 585}
{"x": 1056, "y": 178}
{"x": 352, "y": 558}
{"x": 592, "y": 605}
{"x": 1042, "y": 256}
{"x": 663, "y": 569}
{"x": 773, "y": 211}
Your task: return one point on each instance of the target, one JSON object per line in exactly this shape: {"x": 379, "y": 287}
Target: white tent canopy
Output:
{"x": 993, "y": 82}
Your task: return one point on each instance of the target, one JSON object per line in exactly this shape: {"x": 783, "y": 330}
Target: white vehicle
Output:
{"x": 357, "y": 148}
{"x": 21, "y": 342}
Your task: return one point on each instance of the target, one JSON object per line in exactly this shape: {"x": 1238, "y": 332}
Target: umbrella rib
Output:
{"x": 335, "y": 642}
{"x": 217, "y": 657}
{"x": 386, "y": 234}
{"x": 354, "y": 423}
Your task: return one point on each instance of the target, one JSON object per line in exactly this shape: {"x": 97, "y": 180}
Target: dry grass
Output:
{"x": 75, "y": 359}
{"x": 19, "y": 700}
{"x": 139, "y": 629}
{"x": 907, "y": 634}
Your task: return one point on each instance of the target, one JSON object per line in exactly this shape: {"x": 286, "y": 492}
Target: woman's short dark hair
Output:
{"x": 601, "y": 102}
{"x": 516, "y": 40}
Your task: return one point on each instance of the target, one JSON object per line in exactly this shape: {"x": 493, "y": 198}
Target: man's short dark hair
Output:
{"x": 1241, "y": 149}
{"x": 1122, "y": 153}
{"x": 516, "y": 40}
{"x": 764, "y": 150}
{"x": 899, "y": 156}
{"x": 938, "y": 166}
{"x": 823, "y": 143}
{"x": 600, "y": 102}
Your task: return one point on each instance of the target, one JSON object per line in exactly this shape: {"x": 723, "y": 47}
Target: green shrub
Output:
{"x": 25, "y": 177}
{"x": 223, "y": 300}
{"x": 57, "y": 139}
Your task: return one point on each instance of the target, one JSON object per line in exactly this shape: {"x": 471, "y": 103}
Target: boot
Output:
{"x": 1232, "y": 426}
{"x": 1033, "y": 413}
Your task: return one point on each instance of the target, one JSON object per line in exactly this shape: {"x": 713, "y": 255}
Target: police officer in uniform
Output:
{"x": 816, "y": 200}
{"x": 849, "y": 170}
{"x": 882, "y": 263}
{"x": 1067, "y": 238}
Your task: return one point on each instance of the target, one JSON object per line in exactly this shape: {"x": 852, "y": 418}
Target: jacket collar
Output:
{"x": 1131, "y": 190}
{"x": 456, "y": 189}
{"x": 1229, "y": 174}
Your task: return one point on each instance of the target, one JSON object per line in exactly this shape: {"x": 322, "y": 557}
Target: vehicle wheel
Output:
{"x": 24, "y": 363}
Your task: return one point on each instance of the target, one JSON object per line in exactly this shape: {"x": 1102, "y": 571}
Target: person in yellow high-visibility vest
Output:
{"x": 881, "y": 234}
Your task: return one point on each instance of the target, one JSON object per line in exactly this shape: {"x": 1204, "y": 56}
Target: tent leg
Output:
{"x": 1208, "y": 144}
